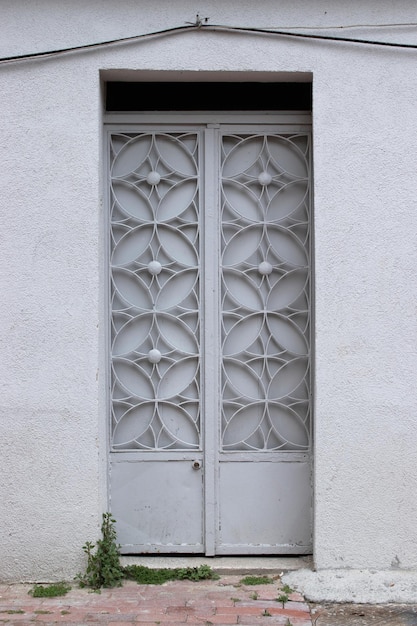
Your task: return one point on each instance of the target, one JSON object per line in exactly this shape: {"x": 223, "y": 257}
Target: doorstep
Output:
{"x": 225, "y": 564}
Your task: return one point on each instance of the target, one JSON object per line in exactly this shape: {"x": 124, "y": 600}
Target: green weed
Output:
{"x": 103, "y": 564}
{"x": 283, "y": 598}
{"x": 105, "y": 570}
{"x": 13, "y": 612}
{"x": 50, "y": 591}
{"x": 256, "y": 580}
{"x": 148, "y": 576}
{"x": 203, "y": 572}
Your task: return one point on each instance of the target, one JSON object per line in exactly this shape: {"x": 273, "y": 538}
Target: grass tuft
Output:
{"x": 50, "y": 591}
{"x": 148, "y": 576}
{"x": 256, "y": 580}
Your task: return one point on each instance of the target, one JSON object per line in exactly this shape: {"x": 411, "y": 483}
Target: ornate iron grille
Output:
{"x": 265, "y": 292}
{"x": 155, "y": 282}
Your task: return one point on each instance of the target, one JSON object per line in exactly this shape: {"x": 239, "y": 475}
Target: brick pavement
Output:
{"x": 219, "y": 602}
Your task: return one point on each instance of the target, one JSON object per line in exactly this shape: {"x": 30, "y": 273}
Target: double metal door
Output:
{"x": 210, "y": 427}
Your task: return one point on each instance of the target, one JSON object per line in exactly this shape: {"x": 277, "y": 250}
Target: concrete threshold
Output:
{"x": 225, "y": 564}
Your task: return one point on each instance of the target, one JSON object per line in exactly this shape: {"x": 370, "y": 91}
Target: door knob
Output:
{"x": 197, "y": 465}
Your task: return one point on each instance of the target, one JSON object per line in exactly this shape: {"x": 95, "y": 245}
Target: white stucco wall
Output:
{"x": 52, "y": 443}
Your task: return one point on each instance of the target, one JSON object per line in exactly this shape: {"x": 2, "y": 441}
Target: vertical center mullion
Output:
{"x": 211, "y": 332}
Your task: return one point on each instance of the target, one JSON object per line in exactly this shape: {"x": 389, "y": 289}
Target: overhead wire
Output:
{"x": 201, "y": 24}
{"x": 352, "y": 26}
{"x": 284, "y": 33}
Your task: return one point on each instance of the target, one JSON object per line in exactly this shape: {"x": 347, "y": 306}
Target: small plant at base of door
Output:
{"x": 256, "y": 580}
{"x": 50, "y": 591}
{"x": 149, "y": 576}
{"x": 105, "y": 570}
{"x": 103, "y": 559}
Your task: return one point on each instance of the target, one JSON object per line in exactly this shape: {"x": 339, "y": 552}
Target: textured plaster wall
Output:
{"x": 52, "y": 337}
{"x": 50, "y": 246}
{"x": 365, "y": 224}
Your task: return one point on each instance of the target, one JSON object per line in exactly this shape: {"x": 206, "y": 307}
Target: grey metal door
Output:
{"x": 210, "y": 430}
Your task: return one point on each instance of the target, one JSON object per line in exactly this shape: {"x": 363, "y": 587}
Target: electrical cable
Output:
{"x": 200, "y": 25}
{"x": 89, "y": 46}
{"x": 352, "y": 26}
{"x": 283, "y": 33}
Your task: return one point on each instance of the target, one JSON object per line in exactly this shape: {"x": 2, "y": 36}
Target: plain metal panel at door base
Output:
{"x": 158, "y": 506}
{"x": 265, "y": 506}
